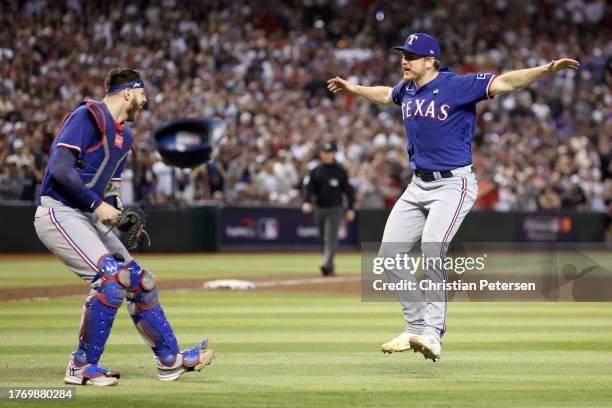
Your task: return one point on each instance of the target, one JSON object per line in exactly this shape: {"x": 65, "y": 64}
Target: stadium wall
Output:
{"x": 177, "y": 228}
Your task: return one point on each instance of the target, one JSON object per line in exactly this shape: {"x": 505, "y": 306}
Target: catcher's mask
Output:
{"x": 188, "y": 142}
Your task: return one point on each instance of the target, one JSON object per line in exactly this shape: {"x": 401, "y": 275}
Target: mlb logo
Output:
{"x": 118, "y": 141}
{"x": 268, "y": 228}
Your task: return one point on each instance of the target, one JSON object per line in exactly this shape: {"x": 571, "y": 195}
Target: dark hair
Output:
{"x": 437, "y": 65}
{"x": 120, "y": 76}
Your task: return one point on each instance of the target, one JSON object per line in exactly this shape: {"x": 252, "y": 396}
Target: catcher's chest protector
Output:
{"x": 101, "y": 161}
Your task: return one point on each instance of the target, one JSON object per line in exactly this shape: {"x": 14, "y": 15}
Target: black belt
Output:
{"x": 428, "y": 176}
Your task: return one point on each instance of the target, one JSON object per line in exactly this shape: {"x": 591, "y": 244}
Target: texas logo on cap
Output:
{"x": 421, "y": 44}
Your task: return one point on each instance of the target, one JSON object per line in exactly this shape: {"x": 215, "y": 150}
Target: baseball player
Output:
{"x": 79, "y": 203}
{"x": 439, "y": 115}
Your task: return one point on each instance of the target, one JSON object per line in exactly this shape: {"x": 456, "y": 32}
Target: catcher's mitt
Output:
{"x": 132, "y": 222}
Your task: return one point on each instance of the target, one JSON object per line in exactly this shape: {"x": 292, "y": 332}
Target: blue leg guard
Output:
{"x": 99, "y": 312}
{"x": 148, "y": 315}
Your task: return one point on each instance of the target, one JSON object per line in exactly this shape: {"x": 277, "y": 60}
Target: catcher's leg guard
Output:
{"x": 147, "y": 313}
{"x": 99, "y": 312}
{"x": 151, "y": 323}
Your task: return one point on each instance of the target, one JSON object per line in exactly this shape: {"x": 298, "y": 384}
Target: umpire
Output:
{"x": 326, "y": 184}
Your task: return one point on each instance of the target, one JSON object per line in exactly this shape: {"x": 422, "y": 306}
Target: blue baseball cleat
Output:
{"x": 193, "y": 359}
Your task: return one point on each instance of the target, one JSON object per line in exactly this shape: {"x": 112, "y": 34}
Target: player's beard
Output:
{"x": 410, "y": 75}
{"x": 133, "y": 111}
{"x": 415, "y": 71}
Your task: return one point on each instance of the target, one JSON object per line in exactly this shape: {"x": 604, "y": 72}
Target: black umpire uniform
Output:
{"x": 325, "y": 186}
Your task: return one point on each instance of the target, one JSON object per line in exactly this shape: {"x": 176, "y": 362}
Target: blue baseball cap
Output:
{"x": 421, "y": 44}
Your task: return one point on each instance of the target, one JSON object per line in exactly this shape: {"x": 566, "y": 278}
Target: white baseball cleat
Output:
{"x": 429, "y": 346}
{"x": 194, "y": 359}
{"x": 89, "y": 374}
{"x": 397, "y": 344}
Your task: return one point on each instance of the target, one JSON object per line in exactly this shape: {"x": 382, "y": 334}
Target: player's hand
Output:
{"x": 350, "y": 215}
{"x": 107, "y": 213}
{"x": 564, "y": 63}
{"x": 307, "y": 208}
{"x": 338, "y": 84}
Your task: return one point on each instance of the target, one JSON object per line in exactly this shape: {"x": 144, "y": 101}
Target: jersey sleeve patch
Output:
{"x": 472, "y": 88}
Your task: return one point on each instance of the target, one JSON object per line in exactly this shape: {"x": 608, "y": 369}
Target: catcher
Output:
{"x": 79, "y": 201}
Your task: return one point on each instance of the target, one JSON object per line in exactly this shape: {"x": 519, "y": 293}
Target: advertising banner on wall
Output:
{"x": 274, "y": 228}
{"x": 547, "y": 228}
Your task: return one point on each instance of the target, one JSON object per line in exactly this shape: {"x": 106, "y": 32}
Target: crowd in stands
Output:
{"x": 263, "y": 70}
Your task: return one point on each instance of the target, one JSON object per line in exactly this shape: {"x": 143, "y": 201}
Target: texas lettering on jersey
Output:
{"x": 421, "y": 107}
{"x": 440, "y": 118}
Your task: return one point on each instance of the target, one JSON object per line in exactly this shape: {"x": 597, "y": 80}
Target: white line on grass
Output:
{"x": 294, "y": 282}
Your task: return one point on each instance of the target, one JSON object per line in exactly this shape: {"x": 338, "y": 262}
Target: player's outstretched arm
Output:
{"x": 513, "y": 80}
{"x": 377, "y": 94}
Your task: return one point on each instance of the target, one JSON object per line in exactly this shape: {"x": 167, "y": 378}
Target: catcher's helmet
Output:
{"x": 188, "y": 142}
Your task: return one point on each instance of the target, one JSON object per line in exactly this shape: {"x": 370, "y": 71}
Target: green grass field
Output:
{"x": 276, "y": 349}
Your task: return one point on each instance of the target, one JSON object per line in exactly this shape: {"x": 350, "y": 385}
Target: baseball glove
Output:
{"x": 132, "y": 222}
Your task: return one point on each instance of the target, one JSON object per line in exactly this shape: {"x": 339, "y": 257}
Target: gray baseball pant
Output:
{"x": 431, "y": 212}
{"x": 79, "y": 239}
{"x": 328, "y": 221}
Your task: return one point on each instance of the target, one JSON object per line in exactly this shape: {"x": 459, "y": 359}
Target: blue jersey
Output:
{"x": 440, "y": 118}
{"x": 100, "y": 145}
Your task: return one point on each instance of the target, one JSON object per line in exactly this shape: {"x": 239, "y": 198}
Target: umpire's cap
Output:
{"x": 329, "y": 147}
{"x": 421, "y": 44}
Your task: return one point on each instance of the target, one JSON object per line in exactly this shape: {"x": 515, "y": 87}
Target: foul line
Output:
{"x": 296, "y": 282}
{"x": 51, "y": 292}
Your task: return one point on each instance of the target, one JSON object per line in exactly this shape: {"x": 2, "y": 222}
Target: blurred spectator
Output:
{"x": 11, "y": 182}
{"x": 370, "y": 194}
{"x": 165, "y": 183}
{"x": 3, "y": 150}
{"x": 20, "y": 155}
{"x": 30, "y": 182}
{"x": 268, "y": 182}
{"x": 264, "y": 74}
{"x": 549, "y": 200}
{"x": 207, "y": 183}
{"x": 488, "y": 195}
{"x": 507, "y": 199}
{"x": 127, "y": 184}
{"x": 145, "y": 180}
